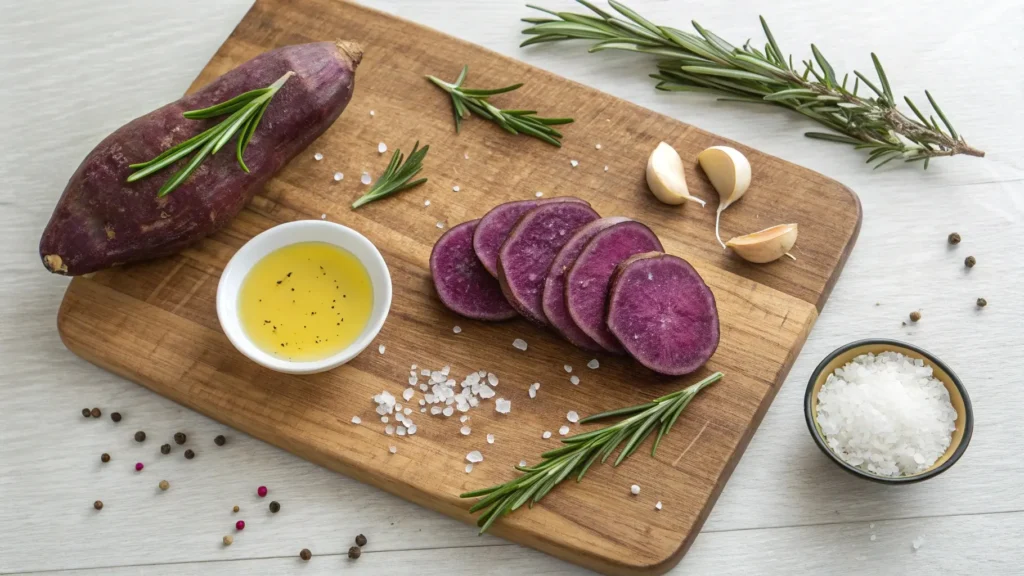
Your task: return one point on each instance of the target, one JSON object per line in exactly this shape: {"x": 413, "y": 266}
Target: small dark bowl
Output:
{"x": 957, "y": 396}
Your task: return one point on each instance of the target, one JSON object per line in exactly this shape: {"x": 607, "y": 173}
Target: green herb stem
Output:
{"x": 396, "y": 176}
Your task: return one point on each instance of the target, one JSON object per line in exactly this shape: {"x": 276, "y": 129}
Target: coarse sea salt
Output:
{"x": 365, "y": 178}
{"x": 381, "y": 348}
{"x": 519, "y": 344}
{"x": 563, "y": 430}
{"x": 338, "y": 176}
{"x": 465, "y": 430}
{"x": 469, "y": 468}
{"x": 490, "y": 438}
{"x": 318, "y": 156}
{"x": 538, "y": 194}
{"x": 546, "y": 434}
{"x": 572, "y": 416}
{"x": 357, "y": 420}
{"x": 568, "y": 368}
{"x": 474, "y": 457}
{"x": 382, "y": 148}
{"x": 593, "y": 364}
{"x": 657, "y": 505}
{"x": 634, "y": 489}
{"x": 393, "y": 449}
{"x": 574, "y": 163}
{"x": 575, "y": 380}
{"x": 886, "y": 414}
{"x": 503, "y": 406}
{"x": 457, "y": 329}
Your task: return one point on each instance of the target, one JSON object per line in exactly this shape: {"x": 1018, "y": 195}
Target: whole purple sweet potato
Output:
{"x": 103, "y": 221}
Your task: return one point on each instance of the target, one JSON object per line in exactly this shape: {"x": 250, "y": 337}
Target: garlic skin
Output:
{"x": 729, "y": 173}
{"x": 666, "y": 177}
{"x": 765, "y": 245}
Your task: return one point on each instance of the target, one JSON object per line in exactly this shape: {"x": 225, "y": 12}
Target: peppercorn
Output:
{"x": 164, "y": 485}
{"x": 954, "y": 238}
{"x": 140, "y": 436}
{"x": 240, "y": 525}
{"x": 261, "y": 491}
{"x": 915, "y": 316}
{"x": 98, "y": 505}
{"x": 970, "y": 261}
{"x": 165, "y": 449}
{"x": 305, "y": 554}
{"x": 86, "y": 412}
{"x": 220, "y": 440}
{"x": 228, "y": 540}
{"x": 179, "y": 438}
{"x": 104, "y": 457}
{"x": 275, "y": 507}
{"x": 982, "y": 302}
{"x": 139, "y": 466}
{"x": 360, "y": 540}
{"x": 189, "y": 454}
{"x": 235, "y": 509}
{"x": 95, "y": 412}
{"x": 115, "y": 416}
{"x": 354, "y": 552}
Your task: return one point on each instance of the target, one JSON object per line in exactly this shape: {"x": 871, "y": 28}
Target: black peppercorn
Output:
{"x": 305, "y": 554}
{"x": 954, "y": 238}
{"x": 179, "y": 438}
{"x": 116, "y": 416}
{"x": 982, "y": 302}
{"x": 189, "y": 454}
{"x": 970, "y": 261}
{"x": 95, "y": 412}
{"x": 98, "y": 505}
{"x": 86, "y": 412}
{"x": 105, "y": 457}
{"x": 361, "y": 540}
{"x": 165, "y": 449}
{"x": 140, "y": 436}
{"x": 235, "y": 509}
{"x": 220, "y": 440}
{"x": 354, "y": 552}
{"x": 915, "y": 316}
{"x": 275, "y": 507}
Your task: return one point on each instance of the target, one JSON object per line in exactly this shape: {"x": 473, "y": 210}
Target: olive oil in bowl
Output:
{"x": 306, "y": 301}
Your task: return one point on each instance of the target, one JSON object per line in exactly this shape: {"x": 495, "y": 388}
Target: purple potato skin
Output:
{"x": 553, "y": 299}
{"x": 462, "y": 283}
{"x": 102, "y": 221}
{"x": 526, "y": 255}
{"x": 587, "y": 282}
{"x": 663, "y": 313}
{"x": 496, "y": 224}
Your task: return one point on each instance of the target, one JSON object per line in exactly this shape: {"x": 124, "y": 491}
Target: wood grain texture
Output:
{"x": 786, "y": 510}
{"x": 155, "y": 323}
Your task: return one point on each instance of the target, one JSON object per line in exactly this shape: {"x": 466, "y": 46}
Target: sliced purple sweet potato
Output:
{"x": 586, "y": 283}
{"x": 531, "y": 246}
{"x": 495, "y": 225}
{"x": 553, "y": 298}
{"x": 663, "y": 313}
{"x": 462, "y": 283}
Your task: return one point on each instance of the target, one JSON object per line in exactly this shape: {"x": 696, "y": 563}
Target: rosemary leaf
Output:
{"x": 396, "y": 176}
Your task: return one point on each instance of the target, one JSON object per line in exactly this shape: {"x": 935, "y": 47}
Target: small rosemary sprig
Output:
{"x": 466, "y": 100}
{"x": 246, "y": 110}
{"x": 582, "y": 450}
{"x": 396, "y": 176}
{"x": 704, "y": 62}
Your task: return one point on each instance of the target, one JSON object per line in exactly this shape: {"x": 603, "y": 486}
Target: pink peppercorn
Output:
{"x": 138, "y": 466}
{"x": 262, "y": 491}
{"x": 240, "y": 525}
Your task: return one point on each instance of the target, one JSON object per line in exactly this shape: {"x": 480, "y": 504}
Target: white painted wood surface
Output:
{"x": 70, "y": 72}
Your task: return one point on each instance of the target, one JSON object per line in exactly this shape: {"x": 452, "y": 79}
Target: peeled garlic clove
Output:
{"x": 729, "y": 172}
{"x": 666, "y": 178}
{"x": 766, "y": 245}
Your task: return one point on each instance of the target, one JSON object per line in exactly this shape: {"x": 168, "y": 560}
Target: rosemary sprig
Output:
{"x": 582, "y": 450}
{"x": 466, "y": 100}
{"x": 246, "y": 110}
{"x": 704, "y": 62}
{"x": 396, "y": 176}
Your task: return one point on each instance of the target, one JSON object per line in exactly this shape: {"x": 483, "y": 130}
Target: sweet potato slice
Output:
{"x": 531, "y": 246}
{"x": 496, "y": 224}
{"x": 101, "y": 220}
{"x": 462, "y": 283}
{"x": 663, "y": 313}
{"x": 586, "y": 283}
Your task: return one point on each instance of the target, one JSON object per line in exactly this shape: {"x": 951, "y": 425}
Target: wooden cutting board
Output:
{"x": 156, "y": 323}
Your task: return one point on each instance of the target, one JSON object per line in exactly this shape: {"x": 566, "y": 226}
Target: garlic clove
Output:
{"x": 765, "y": 245}
{"x": 729, "y": 173}
{"x": 666, "y": 177}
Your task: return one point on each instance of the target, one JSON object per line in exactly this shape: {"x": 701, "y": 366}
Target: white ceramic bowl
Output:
{"x": 285, "y": 235}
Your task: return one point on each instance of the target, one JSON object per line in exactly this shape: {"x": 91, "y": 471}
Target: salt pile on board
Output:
{"x": 886, "y": 414}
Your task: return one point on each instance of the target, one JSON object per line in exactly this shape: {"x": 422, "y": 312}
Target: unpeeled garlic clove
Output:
{"x": 666, "y": 177}
{"x": 729, "y": 173}
{"x": 765, "y": 245}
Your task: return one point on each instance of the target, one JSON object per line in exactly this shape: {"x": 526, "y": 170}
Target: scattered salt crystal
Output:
{"x": 546, "y": 434}
{"x": 522, "y": 463}
{"x": 469, "y": 468}
{"x": 598, "y": 146}
{"x": 357, "y": 420}
{"x": 503, "y": 406}
{"x": 475, "y": 456}
{"x": 519, "y": 344}
{"x": 372, "y": 113}
{"x": 918, "y": 542}
{"x": 439, "y": 224}
{"x": 465, "y": 430}
{"x": 412, "y": 381}
{"x": 389, "y": 429}
{"x": 574, "y": 163}
{"x": 412, "y": 429}
{"x": 393, "y": 449}
{"x": 318, "y": 156}
{"x": 382, "y": 148}
{"x": 481, "y": 373}
{"x": 575, "y": 380}
{"x": 463, "y": 418}
{"x": 657, "y": 505}
{"x": 448, "y": 411}
{"x": 606, "y": 168}
{"x": 407, "y": 395}
{"x": 407, "y": 411}
{"x": 563, "y": 430}
{"x": 532, "y": 392}
{"x": 490, "y": 438}
{"x": 872, "y": 538}
{"x": 572, "y": 416}
{"x": 446, "y": 371}
{"x": 593, "y": 364}
{"x": 365, "y": 178}
{"x": 424, "y": 387}
{"x": 398, "y": 408}
{"x": 424, "y": 372}
{"x": 401, "y": 431}
{"x": 323, "y": 216}
{"x": 426, "y": 202}
{"x": 423, "y": 402}
{"x": 435, "y": 410}
{"x": 634, "y": 489}
{"x": 538, "y": 194}
{"x": 465, "y": 155}
{"x": 457, "y": 329}
{"x": 568, "y": 368}
{"x": 422, "y": 409}
{"x": 455, "y": 188}
{"x": 492, "y": 379}
{"x": 384, "y": 419}
{"x": 536, "y": 385}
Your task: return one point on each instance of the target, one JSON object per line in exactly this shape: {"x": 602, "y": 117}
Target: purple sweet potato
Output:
{"x": 101, "y": 220}
{"x": 496, "y": 224}
{"x": 586, "y": 283}
{"x": 531, "y": 246}
{"x": 462, "y": 283}
{"x": 553, "y": 299}
{"x": 663, "y": 313}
